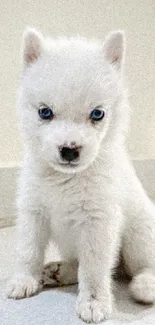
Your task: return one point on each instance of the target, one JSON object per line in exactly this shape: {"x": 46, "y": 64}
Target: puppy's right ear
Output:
{"x": 114, "y": 49}
{"x": 33, "y": 46}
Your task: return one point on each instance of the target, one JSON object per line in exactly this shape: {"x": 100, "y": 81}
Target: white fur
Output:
{"x": 92, "y": 208}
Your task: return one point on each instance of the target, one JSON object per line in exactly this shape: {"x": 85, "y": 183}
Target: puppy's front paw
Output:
{"x": 93, "y": 310}
{"x": 22, "y": 286}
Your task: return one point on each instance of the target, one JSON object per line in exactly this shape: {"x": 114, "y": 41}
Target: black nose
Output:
{"x": 69, "y": 154}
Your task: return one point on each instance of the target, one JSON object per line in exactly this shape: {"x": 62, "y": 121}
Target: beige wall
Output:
{"x": 91, "y": 18}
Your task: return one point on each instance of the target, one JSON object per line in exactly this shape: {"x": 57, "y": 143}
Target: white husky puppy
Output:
{"x": 77, "y": 185}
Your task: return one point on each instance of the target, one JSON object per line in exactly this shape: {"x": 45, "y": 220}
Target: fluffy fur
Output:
{"x": 92, "y": 208}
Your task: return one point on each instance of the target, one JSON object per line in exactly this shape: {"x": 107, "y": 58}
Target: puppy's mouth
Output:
{"x": 69, "y": 164}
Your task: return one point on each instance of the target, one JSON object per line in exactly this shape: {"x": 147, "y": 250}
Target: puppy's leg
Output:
{"x": 139, "y": 245}
{"x": 97, "y": 248}
{"x": 33, "y": 231}
{"x": 60, "y": 273}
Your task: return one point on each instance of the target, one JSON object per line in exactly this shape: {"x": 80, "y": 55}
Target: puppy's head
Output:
{"x": 70, "y": 97}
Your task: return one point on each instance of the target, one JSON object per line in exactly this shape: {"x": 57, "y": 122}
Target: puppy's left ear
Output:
{"x": 33, "y": 46}
{"x": 114, "y": 49}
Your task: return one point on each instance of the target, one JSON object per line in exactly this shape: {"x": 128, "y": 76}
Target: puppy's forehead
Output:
{"x": 72, "y": 74}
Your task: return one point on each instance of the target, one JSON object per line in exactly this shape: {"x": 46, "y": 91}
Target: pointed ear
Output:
{"x": 114, "y": 49}
{"x": 32, "y": 46}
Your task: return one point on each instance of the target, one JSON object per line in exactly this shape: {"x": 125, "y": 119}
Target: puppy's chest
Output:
{"x": 70, "y": 201}
{"x": 65, "y": 198}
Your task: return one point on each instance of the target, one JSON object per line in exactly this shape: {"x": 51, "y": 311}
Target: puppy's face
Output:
{"x": 69, "y": 96}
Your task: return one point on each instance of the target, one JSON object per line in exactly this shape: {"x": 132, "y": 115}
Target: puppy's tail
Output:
{"x": 142, "y": 286}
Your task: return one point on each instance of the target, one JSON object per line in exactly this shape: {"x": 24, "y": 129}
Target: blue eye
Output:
{"x": 97, "y": 114}
{"x": 46, "y": 113}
